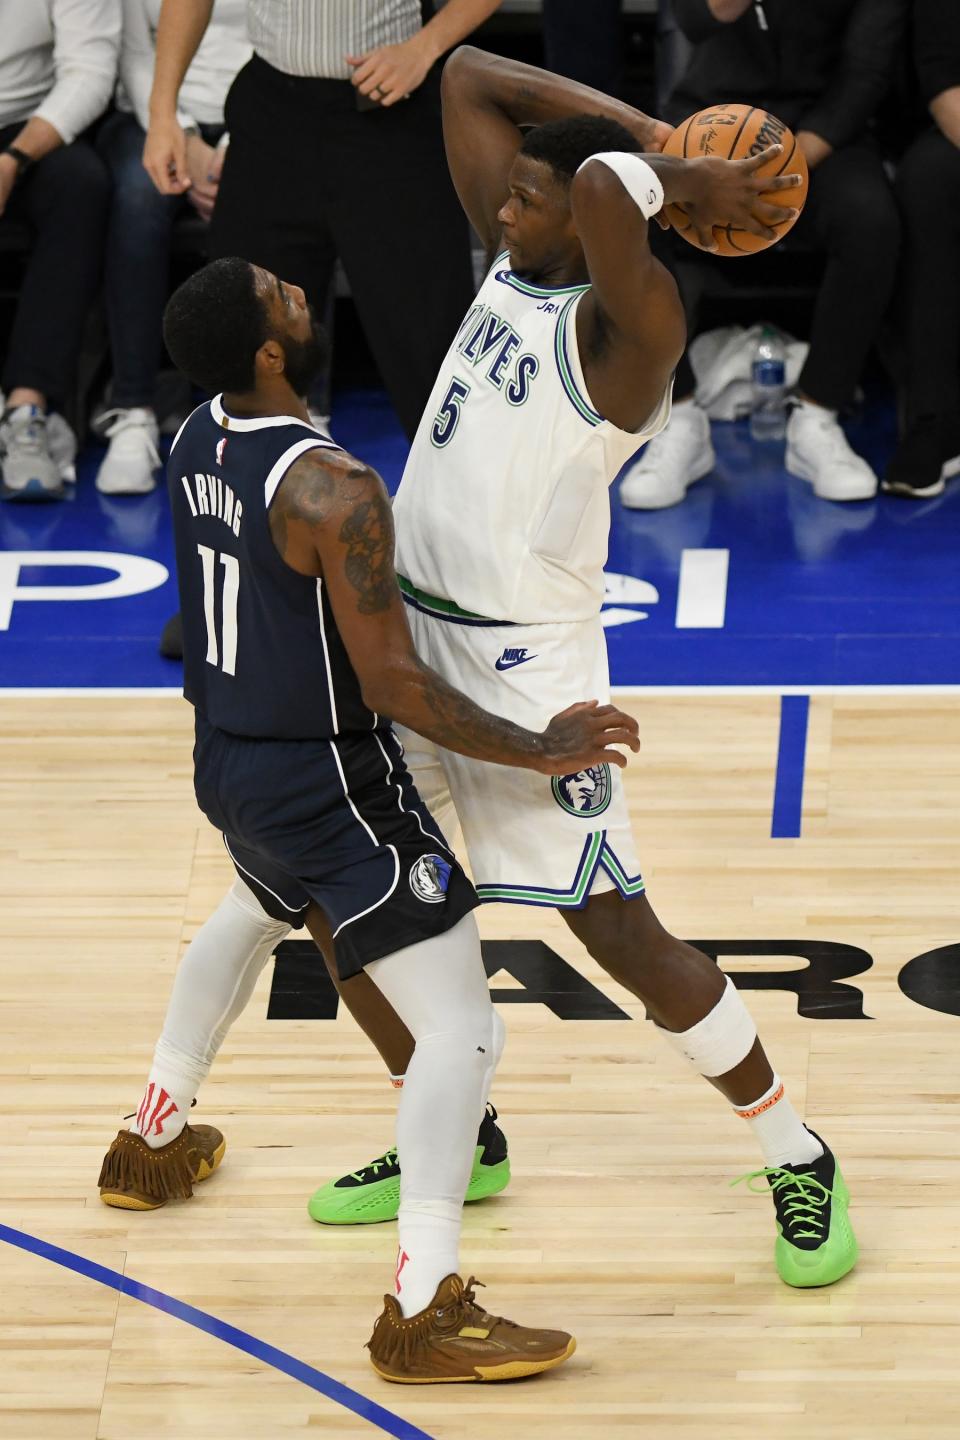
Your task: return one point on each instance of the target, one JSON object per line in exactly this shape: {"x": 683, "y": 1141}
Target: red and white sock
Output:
{"x": 166, "y": 1102}
{"x": 782, "y": 1135}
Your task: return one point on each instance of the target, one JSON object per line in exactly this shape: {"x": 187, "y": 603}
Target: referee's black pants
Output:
{"x": 308, "y": 177}
{"x": 928, "y": 188}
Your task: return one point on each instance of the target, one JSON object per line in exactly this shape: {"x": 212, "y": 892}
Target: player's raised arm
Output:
{"x": 486, "y": 99}
{"x": 332, "y": 517}
{"x": 631, "y": 325}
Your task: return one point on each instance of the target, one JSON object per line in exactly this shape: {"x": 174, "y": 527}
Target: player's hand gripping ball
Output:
{"x": 738, "y": 132}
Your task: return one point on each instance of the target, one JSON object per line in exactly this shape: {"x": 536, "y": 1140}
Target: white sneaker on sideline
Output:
{"x": 818, "y": 451}
{"x": 681, "y": 454}
{"x": 28, "y": 470}
{"x": 130, "y": 463}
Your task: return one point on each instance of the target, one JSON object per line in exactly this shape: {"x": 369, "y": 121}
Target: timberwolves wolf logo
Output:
{"x": 429, "y": 879}
{"x": 587, "y": 792}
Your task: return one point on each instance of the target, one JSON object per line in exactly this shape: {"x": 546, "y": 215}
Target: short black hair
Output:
{"x": 565, "y": 144}
{"x": 214, "y": 324}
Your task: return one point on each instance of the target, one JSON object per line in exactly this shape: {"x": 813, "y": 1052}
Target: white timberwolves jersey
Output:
{"x": 504, "y": 506}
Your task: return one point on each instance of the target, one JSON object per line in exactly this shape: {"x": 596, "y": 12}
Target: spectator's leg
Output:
{"x": 269, "y": 206}
{"x": 137, "y": 269}
{"x": 584, "y": 41}
{"x": 928, "y": 189}
{"x": 65, "y": 198}
{"x": 403, "y": 240}
{"x": 854, "y": 215}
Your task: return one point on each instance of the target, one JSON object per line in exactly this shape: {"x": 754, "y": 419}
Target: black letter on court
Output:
{"x": 819, "y": 994}
{"x": 548, "y": 980}
{"x": 302, "y": 989}
{"x": 933, "y": 979}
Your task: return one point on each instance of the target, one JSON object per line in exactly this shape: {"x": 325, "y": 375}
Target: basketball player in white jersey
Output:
{"x": 561, "y": 370}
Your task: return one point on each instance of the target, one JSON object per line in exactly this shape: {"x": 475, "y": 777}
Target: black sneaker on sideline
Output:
{"x": 925, "y": 458}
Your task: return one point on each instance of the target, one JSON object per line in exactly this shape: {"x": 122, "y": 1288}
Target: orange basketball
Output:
{"x": 733, "y": 132}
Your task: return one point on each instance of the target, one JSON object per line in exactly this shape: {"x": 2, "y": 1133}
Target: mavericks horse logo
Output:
{"x": 586, "y": 792}
{"x": 429, "y": 878}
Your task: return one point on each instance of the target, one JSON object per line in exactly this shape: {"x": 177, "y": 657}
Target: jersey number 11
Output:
{"x": 224, "y": 655}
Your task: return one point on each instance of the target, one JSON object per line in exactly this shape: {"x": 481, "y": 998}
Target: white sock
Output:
{"x": 215, "y": 979}
{"x": 720, "y": 1042}
{"x": 782, "y": 1135}
{"x": 439, "y": 990}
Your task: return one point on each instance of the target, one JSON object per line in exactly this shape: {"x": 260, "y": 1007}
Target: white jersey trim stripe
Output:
{"x": 261, "y": 422}
{"x": 184, "y": 426}
{"x": 326, "y": 661}
{"x": 281, "y": 466}
{"x": 392, "y": 848}
{"x": 343, "y": 781}
{"x": 383, "y": 899}
{"x": 568, "y": 374}
{"x": 427, "y": 834}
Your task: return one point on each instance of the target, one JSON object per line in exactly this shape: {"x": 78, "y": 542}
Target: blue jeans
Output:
{"x": 138, "y": 260}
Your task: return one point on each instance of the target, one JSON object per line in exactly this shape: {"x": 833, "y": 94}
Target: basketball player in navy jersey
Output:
{"x": 296, "y": 649}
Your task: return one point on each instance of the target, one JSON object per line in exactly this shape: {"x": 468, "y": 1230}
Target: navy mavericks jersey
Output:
{"x": 262, "y": 655}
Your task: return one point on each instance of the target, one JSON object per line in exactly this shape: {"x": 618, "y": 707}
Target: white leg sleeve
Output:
{"x": 216, "y": 979}
{"x": 439, "y": 990}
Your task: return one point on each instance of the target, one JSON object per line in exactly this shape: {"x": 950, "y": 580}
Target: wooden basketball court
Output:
{"x": 620, "y": 1223}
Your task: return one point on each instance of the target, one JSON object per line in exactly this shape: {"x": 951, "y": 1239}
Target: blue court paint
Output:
{"x": 815, "y": 594}
{"x": 351, "y": 1400}
{"x": 791, "y": 760}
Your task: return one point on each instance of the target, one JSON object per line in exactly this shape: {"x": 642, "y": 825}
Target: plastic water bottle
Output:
{"x": 769, "y": 384}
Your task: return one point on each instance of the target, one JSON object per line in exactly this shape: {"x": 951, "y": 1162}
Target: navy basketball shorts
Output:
{"x": 338, "y": 823}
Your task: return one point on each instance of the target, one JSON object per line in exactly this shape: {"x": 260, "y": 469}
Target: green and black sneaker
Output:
{"x": 816, "y": 1244}
{"x": 372, "y": 1195}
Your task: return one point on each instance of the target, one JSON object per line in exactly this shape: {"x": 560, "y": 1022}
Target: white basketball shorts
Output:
{"x": 531, "y": 840}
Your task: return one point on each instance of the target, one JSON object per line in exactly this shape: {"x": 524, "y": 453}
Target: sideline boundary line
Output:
{"x": 325, "y": 1385}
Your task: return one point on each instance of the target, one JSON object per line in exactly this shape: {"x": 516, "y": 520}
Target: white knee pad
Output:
{"x": 719, "y": 1041}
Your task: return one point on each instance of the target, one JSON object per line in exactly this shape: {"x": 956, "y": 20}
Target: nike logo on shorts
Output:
{"x": 511, "y": 658}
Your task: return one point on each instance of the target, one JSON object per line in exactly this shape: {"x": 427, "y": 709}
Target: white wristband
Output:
{"x": 639, "y": 179}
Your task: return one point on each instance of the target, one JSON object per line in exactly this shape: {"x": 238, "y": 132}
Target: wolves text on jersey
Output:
{"x": 485, "y": 337}
{"x": 208, "y": 495}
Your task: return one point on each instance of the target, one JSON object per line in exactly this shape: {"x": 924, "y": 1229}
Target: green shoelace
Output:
{"x": 802, "y": 1199}
{"x": 387, "y": 1161}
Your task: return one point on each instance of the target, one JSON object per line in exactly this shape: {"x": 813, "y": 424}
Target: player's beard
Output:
{"x": 303, "y": 359}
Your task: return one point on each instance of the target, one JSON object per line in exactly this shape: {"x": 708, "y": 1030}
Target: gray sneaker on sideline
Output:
{"x": 29, "y": 470}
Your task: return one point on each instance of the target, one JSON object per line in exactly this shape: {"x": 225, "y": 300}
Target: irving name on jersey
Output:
{"x": 209, "y": 495}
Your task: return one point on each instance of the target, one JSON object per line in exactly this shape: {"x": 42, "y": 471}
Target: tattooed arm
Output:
{"x": 331, "y": 517}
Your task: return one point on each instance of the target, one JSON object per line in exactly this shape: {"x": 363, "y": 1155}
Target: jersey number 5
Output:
{"x": 231, "y": 590}
{"x": 445, "y": 423}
